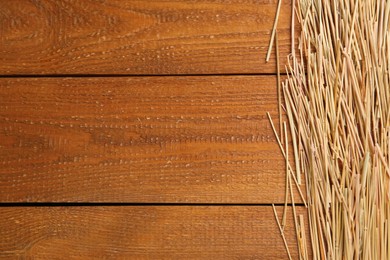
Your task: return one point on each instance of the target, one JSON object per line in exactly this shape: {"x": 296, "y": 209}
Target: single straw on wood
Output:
{"x": 271, "y": 42}
{"x": 337, "y": 101}
{"x": 281, "y": 232}
{"x": 279, "y": 85}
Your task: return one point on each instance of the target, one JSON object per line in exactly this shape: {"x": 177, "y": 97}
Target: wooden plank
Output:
{"x": 140, "y": 139}
{"x": 140, "y": 37}
{"x": 144, "y": 232}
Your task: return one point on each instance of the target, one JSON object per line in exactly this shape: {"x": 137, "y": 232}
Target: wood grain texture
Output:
{"x": 139, "y": 139}
{"x": 143, "y": 233}
{"x": 140, "y": 37}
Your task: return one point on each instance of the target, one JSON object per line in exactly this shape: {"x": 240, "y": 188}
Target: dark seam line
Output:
{"x": 135, "y": 204}
{"x": 134, "y": 75}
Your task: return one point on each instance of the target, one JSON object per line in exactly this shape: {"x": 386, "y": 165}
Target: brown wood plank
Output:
{"x": 140, "y": 37}
{"x": 140, "y": 139}
{"x": 144, "y": 232}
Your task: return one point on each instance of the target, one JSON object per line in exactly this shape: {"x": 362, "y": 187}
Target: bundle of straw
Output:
{"x": 337, "y": 101}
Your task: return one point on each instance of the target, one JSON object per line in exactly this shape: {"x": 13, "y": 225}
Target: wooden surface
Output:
{"x": 146, "y": 139}
{"x": 154, "y": 130}
{"x": 143, "y": 233}
{"x": 140, "y": 37}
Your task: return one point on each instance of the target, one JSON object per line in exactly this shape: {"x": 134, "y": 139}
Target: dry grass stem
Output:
{"x": 271, "y": 42}
{"x": 281, "y": 232}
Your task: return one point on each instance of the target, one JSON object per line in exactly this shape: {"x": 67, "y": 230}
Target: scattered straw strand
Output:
{"x": 281, "y": 232}
{"x": 279, "y": 86}
{"x": 271, "y": 42}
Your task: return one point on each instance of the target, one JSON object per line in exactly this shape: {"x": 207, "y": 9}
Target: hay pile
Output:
{"x": 337, "y": 101}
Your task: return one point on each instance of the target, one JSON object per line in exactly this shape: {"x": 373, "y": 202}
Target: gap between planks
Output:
{"x": 137, "y": 75}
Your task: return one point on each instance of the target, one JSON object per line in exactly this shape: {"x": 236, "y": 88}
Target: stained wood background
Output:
{"x": 156, "y": 107}
{"x": 145, "y": 232}
{"x": 143, "y": 139}
{"x": 139, "y": 37}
